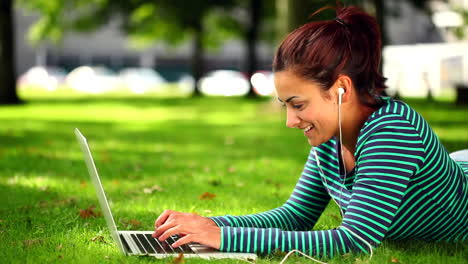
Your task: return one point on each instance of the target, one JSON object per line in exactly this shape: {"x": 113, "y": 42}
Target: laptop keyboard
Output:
{"x": 147, "y": 244}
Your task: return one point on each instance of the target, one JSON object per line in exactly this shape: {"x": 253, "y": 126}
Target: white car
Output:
{"x": 141, "y": 80}
{"x": 224, "y": 83}
{"x": 42, "y": 77}
{"x": 92, "y": 79}
{"x": 263, "y": 83}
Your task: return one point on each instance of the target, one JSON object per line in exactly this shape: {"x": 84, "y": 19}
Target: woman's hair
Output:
{"x": 321, "y": 51}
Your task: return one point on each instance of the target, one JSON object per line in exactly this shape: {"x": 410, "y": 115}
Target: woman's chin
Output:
{"x": 313, "y": 142}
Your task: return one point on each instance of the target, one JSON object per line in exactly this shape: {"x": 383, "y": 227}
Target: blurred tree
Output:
{"x": 214, "y": 23}
{"x": 250, "y": 20}
{"x": 258, "y": 11}
{"x": 207, "y": 22}
{"x": 8, "y": 93}
{"x": 253, "y": 25}
{"x": 170, "y": 21}
{"x": 294, "y": 13}
{"x": 460, "y": 31}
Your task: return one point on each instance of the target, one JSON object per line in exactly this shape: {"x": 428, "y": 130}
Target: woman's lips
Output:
{"x": 308, "y": 130}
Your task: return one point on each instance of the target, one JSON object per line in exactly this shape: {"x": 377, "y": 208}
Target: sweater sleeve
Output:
{"x": 388, "y": 158}
{"x": 300, "y": 212}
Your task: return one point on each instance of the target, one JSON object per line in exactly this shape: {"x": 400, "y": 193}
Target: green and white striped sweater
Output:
{"x": 404, "y": 185}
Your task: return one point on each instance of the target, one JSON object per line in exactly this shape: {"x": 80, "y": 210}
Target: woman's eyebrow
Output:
{"x": 289, "y": 99}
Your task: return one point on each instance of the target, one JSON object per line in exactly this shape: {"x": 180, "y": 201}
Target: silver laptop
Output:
{"x": 141, "y": 242}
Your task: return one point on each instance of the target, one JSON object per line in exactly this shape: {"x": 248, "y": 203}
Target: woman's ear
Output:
{"x": 343, "y": 88}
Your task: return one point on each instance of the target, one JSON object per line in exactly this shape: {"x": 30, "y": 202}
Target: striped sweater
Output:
{"x": 404, "y": 185}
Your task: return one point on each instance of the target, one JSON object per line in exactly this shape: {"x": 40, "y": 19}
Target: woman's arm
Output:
{"x": 387, "y": 160}
{"x": 300, "y": 212}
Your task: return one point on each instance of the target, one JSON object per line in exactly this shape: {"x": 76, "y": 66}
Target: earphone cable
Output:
{"x": 343, "y": 182}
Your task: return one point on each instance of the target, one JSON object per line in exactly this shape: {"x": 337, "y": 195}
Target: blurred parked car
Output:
{"x": 186, "y": 83}
{"x": 42, "y": 77}
{"x": 141, "y": 80}
{"x": 224, "y": 82}
{"x": 263, "y": 83}
{"x": 92, "y": 79}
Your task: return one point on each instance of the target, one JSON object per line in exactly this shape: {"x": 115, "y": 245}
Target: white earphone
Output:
{"x": 341, "y": 91}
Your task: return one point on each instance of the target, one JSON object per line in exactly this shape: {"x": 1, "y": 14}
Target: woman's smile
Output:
{"x": 308, "y": 130}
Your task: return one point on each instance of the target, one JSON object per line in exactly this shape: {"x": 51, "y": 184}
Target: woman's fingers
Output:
{"x": 183, "y": 240}
{"x": 198, "y": 229}
{"x": 161, "y": 229}
{"x": 162, "y": 218}
{"x": 169, "y": 232}
{"x": 209, "y": 238}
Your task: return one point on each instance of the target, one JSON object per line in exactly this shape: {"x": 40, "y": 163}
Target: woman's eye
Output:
{"x": 297, "y": 106}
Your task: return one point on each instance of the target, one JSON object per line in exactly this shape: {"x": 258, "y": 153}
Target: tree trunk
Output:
{"x": 197, "y": 57}
{"x": 251, "y": 39}
{"x": 7, "y": 55}
{"x": 380, "y": 17}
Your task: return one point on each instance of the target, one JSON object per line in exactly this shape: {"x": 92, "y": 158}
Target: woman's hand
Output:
{"x": 191, "y": 227}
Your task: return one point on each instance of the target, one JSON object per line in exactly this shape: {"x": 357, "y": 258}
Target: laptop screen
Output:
{"x": 98, "y": 187}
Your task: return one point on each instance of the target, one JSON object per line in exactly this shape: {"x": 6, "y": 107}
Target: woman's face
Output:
{"x": 308, "y": 108}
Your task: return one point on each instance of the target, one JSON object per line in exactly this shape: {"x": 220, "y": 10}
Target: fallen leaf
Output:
{"x": 105, "y": 157}
{"x": 67, "y": 201}
{"x": 31, "y": 242}
{"x": 152, "y": 189}
{"x": 130, "y": 224}
{"x": 207, "y": 196}
{"x": 395, "y": 260}
{"x": 278, "y": 253}
{"x": 99, "y": 239}
{"x": 361, "y": 261}
{"x": 89, "y": 212}
{"x": 334, "y": 216}
{"x": 83, "y": 184}
{"x": 59, "y": 247}
{"x": 43, "y": 204}
{"x": 179, "y": 259}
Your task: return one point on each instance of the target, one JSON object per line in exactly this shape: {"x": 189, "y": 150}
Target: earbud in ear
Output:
{"x": 341, "y": 91}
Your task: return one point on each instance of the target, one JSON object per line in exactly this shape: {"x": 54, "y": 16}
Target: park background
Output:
{"x": 177, "y": 101}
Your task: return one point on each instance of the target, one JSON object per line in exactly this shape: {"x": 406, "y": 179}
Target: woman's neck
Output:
{"x": 352, "y": 121}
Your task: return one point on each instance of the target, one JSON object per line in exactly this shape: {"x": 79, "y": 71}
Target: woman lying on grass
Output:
{"x": 375, "y": 157}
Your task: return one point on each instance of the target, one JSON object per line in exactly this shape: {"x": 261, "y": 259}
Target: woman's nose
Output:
{"x": 292, "y": 120}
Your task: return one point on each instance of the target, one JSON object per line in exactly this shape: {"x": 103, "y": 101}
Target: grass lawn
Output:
{"x": 155, "y": 154}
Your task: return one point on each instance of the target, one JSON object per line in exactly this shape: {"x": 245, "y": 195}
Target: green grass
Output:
{"x": 239, "y": 150}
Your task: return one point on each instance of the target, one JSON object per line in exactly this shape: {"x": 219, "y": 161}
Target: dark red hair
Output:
{"x": 321, "y": 51}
